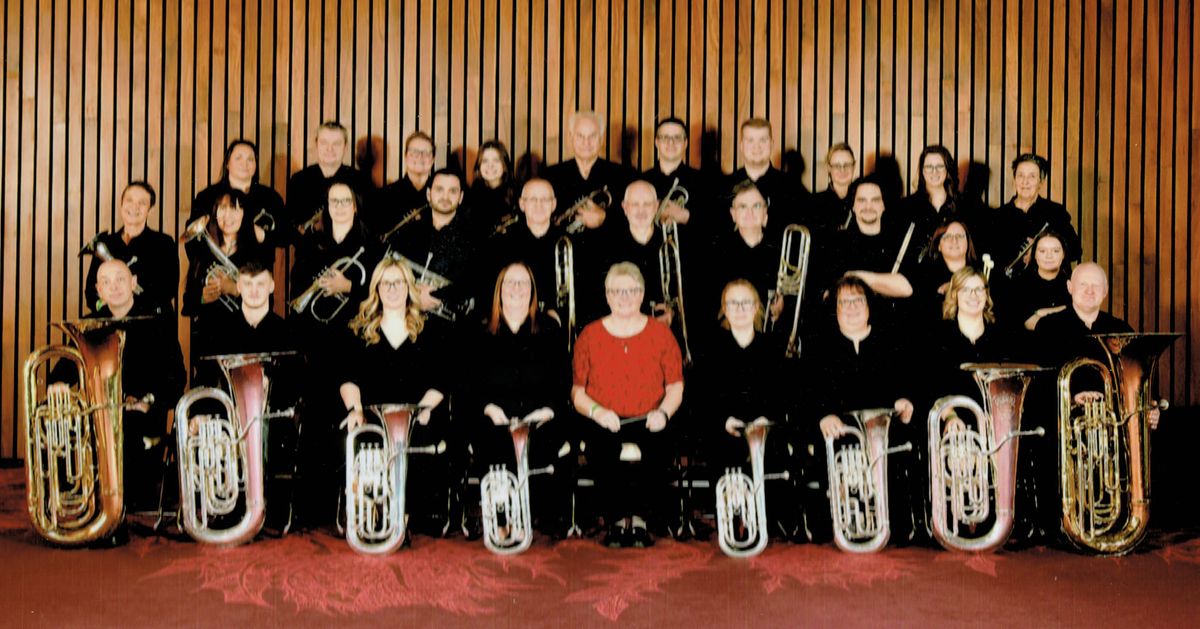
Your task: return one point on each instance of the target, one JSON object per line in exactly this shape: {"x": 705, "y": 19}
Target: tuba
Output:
{"x": 222, "y": 265}
{"x": 858, "y": 498}
{"x": 1104, "y": 450}
{"x": 741, "y": 500}
{"x": 965, "y": 465}
{"x": 570, "y": 221}
{"x": 791, "y": 277}
{"x": 325, "y": 306}
{"x": 670, "y": 273}
{"x": 504, "y": 496}
{"x": 564, "y": 284}
{"x": 73, "y": 442}
{"x": 222, "y": 457}
{"x": 376, "y": 474}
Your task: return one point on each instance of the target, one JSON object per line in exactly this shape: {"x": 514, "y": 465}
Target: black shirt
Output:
{"x": 448, "y": 252}
{"x": 317, "y": 251}
{"x": 707, "y": 216}
{"x": 264, "y": 207}
{"x": 570, "y": 186}
{"x": 1063, "y": 336}
{"x": 786, "y": 197}
{"x": 840, "y": 379}
{"x": 394, "y": 201}
{"x": 520, "y": 372}
{"x": 949, "y": 349}
{"x": 402, "y": 374}
{"x": 519, "y": 244}
{"x": 232, "y": 334}
{"x": 1014, "y": 227}
{"x": 742, "y": 382}
{"x": 156, "y": 266}
{"x": 308, "y": 191}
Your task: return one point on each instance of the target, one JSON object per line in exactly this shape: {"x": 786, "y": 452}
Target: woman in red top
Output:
{"x": 627, "y": 365}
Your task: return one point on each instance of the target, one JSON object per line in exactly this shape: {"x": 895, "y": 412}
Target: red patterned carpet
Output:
{"x": 315, "y": 580}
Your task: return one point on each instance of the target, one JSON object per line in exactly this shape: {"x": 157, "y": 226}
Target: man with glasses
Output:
{"x": 410, "y": 191}
{"x": 532, "y": 242}
{"x": 670, "y": 151}
{"x": 308, "y": 188}
{"x": 637, "y": 241}
{"x": 783, "y": 194}
{"x": 575, "y": 179}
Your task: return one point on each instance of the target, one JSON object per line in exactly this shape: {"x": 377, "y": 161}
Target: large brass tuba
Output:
{"x": 73, "y": 443}
{"x": 1104, "y": 449}
{"x": 376, "y": 475}
{"x": 741, "y": 500}
{"x": 222, "y": 457}
{"x": 670, "y": 274}
{"x": 504, "y": 496}
{"x": 858, "y": 496}
{"x": 564, "y": 285}
{"x": 966, "y": 465}
{"x": 791, "y": 277}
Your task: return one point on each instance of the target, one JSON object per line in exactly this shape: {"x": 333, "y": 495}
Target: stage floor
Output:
{"x": 314, "y": 579}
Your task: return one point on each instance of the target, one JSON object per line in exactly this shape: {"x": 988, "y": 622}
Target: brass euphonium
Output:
{"x": 790, "y": 279}
{"x": 376, "y": 475}
{"x": 222, "y": 264}
{"x": 73, "y": 442}
{"x": 564, "y": 284}
{"x": 324, "y": 305}
{"x": 966, "y": 465}
{"x": 222, "y": 458}
{"x": 1104, "y": 449}
{"x": 670, "y": 274}
{"x": 858, "y": 496}
{"x": 741, "y": 500}
{"x": 570, "y": 219}
{"x": 504, "y": 496}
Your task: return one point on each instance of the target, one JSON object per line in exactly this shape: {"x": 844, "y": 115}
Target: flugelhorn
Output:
{"x": 376, "y": 475}
{"x": 1104, "y": 446}
{"x": 858, "y": 482}
{"x": 570, "y": 219}
{"x": 790, "y": 279}
{"x": 670, "y": 274}
{"x": 324, "y": 305}
{"x": 967, "y": 465}
{"x": 504, "y": 496}
{"x": 222, "y": 264}
{"x": 741, "y": 500}
{"x": 564, "y": 284}
{"x": 222, "y": 458}
{"x": 97, "y": 248}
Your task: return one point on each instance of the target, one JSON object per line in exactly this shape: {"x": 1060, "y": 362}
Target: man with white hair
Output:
{"x": 586, "y": 172}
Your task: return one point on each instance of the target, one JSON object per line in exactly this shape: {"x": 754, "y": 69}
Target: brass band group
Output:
{"x": 581, "y": 349}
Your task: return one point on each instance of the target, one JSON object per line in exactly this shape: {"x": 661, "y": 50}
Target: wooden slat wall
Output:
{"x": 96, "y": 93}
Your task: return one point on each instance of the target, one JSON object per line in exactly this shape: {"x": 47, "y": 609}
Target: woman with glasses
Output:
{"x": 831, "y": 206}
{"x": 951, "y": 248}
{"x": 935, "y": 201}
{"x": 627, "y": 385}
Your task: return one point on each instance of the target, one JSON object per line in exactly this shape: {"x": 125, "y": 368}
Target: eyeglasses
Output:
{"x": 422, "y": 153}
{"x": 672, "y": 138}
{"x": 624, "y": 292}
{"x": 392, "y": 284}
{"x": 757, "y": 206}
{"x": 739, "y": 304}
{"x": 851, "y": 302}
{"x": 935, "y": 168}
{"x": 954, "y": 237}
{"x": 977, "y": 291}
{"x": 516, "y": 283}
{"x": 341, "y": 203}
{"x": 841, "y": 166}
{"x": 539, "y": 200}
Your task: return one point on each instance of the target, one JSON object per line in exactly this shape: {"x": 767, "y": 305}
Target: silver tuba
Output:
{"x": 791, "y": 277}
{"x": 741, "y": 500}
{"x": 670, "y": 274}
{"x": 967, "y": 465}
{"x": 324, "y": 306}
{"x": 222, "y": 265}
{"x": 564, "y": 284}
{"x": 1104, "y": 448}
{"x": 858, "y": 496}
{"x": 222, "y": 457}
{"x": 504, "y": 496}
{"x": 376, "y": 474}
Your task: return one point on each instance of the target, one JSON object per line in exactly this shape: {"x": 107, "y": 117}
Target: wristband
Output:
{"x": 592, "y": 411}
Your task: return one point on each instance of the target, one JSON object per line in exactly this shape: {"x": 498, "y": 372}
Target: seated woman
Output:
{"x": 627, "y": 365}
{"x": 396, "y": 359}
{"x": 950, "y": 249}
{"x": 1042, "y": 290}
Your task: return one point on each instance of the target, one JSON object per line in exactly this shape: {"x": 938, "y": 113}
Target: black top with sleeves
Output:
{"x": 840, "y": 378}
{"x": 520, "y": 372}
{"x": 1016, "y": 226}
{"x": 156, "y": 266}
{"x": 742, "y": 382}
{"x": 949, "y": 349}
{"x": 316, "y": 251}
{"x": 264, "y": 207}
{"x": 308, "y": 191}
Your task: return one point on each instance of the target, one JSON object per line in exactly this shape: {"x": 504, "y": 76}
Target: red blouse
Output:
{"x": 628, "y": 375}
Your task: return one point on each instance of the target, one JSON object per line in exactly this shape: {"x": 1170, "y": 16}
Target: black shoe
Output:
{"x": 639, "y": 537}
{"x": 614, "y": 537}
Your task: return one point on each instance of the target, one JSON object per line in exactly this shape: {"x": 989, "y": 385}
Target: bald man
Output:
{"x": 1064, "y": 335}
{"x": 637, "y": 239}
{"x": 531, "y": 241}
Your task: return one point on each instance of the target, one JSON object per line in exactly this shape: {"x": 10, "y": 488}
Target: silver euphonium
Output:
{"x": 973, "y": 471}
{"x": 670, "y": 274}
{"x": 564, "y": 285}
{"x": 570, "y": 219}
{"x": 790, "y": 279}
{"x": 504, "y": 496}
{"x": 97, "y": 248}
{"x": 222, "y": 458}
{"x": 741, "y": 500}
{"x": 324, "y": 305}
{"x": 858, "y": 490}
{"x": 222, "y": 264}
{"x": 376, "y": 475}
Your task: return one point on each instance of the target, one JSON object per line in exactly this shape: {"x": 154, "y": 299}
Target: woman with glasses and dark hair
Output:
{"x": 262, "y": 204}
{"x": 951, "y": 248}
{"x": 935, "y": 202}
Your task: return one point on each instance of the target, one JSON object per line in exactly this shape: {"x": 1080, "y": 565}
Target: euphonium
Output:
{"x": 791, "y": 277}
{"x": 670, "y": 273}
{"x": 570, "y": 220}
{"x": 564, "y": 284}
{"x": 858, "y": 496}
{"x": 504, "y": 496}
{"x": 323, "y": 305}
{"x": 741, "y": 500}
{"x": 376, "y": 474}
{"x": 966, "y": 464}
{"x": 73, "y": 443}
{"x": 222, "y": 458}
{"x": 1104, "y": 450}
{"x": 222, "y": 265}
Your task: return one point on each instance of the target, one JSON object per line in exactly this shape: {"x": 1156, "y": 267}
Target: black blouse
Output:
{"x": 520, "y": 372}
{"x": 402, "y": 374}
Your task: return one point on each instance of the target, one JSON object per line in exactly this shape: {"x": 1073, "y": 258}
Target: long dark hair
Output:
{"x": 951, "y": 182}
{"x": 233, "y": 197}
{"x": 229, "y": 152}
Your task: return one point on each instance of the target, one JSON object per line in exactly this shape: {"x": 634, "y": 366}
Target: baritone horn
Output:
{"x": 966, "y": 465}
{"x": 741, "y": 500}
{"x": 376, "y": 475}
{"x": 1104, "y": 449}
{"x": 324, "y": 305}
{"x": 504, "y": 496}
{"x": 564, "y": 284}
{"x": 222, "y": 458}
{"x": 222, "y": 265}
{"x": 791, "y": 277}
{"x": 858, "y": 491}
{"x": 670, "y": 274}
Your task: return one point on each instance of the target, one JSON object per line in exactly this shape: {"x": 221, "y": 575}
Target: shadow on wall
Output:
{"x": 793, "y": 165}
{"x": 887, "y": 168}
{"x": 975, "y": 178}
{"x": 368, "y": 157}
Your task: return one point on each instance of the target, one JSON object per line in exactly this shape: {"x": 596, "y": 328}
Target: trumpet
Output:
{"x": 406, "y": 219}
{"x": 570, "y": 219}
{"x": 790, "y": 279}
{"x": 504, "y": 496}
{"x": 858, "y": 496}
{"x": 966, "y": 465}
{"x": 741, "y": 499}
{"x": 222, "y": 265}
{"x": 314, "y": 296}
{"x": 376, "y": 474}
{"x": 1020, "y": 259}
{"x": 506, "y": 223}
{"x": 564, "y": 284}
{"x": 97, "y": 248}
{"x": 312, "y": 222}
{"x": 222, "y": 458}
{"x": 670, "y": 273}
{"x": 1106, "y": 507}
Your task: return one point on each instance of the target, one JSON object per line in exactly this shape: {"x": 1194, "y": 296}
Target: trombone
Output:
{"x": 564, "y": 284}
{"x": 791, "y": 278}
{"x": 670, "y": 273}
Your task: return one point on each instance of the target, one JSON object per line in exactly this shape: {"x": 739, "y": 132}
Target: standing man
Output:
{"x": 586, "y": 173}
{"x": 308, "y": 188}
{"x": 410, "y": 191}
{"x": 670, "y": 150}
{"x": 783, "y": 195}
{"x": 154, "y": 254}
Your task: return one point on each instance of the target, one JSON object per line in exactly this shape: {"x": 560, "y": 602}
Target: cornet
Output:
{"x": 376, "y": 474}
{"x": 966, "y": 465}
{"x": 564, "y": 284}
{"x": 504, "y": 496}
{"x": 315, "y": 298}
{"x": 670, "y": 273}
{"x": 222, "y": 265}
{"x": 790, "y": 279}
{"x": 570, "y": 219}
{"x": 1104, "y": 449}
{"x": 858, "y": 496}
{"x": 222, "y": 458}
{"x": 1019, "y": 261}
{"x": 97, "y": 248}
{"x": 741, "y": 500}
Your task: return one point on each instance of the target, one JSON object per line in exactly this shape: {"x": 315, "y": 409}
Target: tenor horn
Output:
{"x": 741, "y": 500}
{"x": 791, "y": 277}
{"x": 222, "y": 265}
{"x": 858, "y": 491}
{"x": 222, "y": 458}
{"x": 670, "y": 274}
{"x": 1104, "y": 449}
{"x": 504, "y": 496}
{"x": 967, "y": 464}
{"x": 564, "y": 284}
